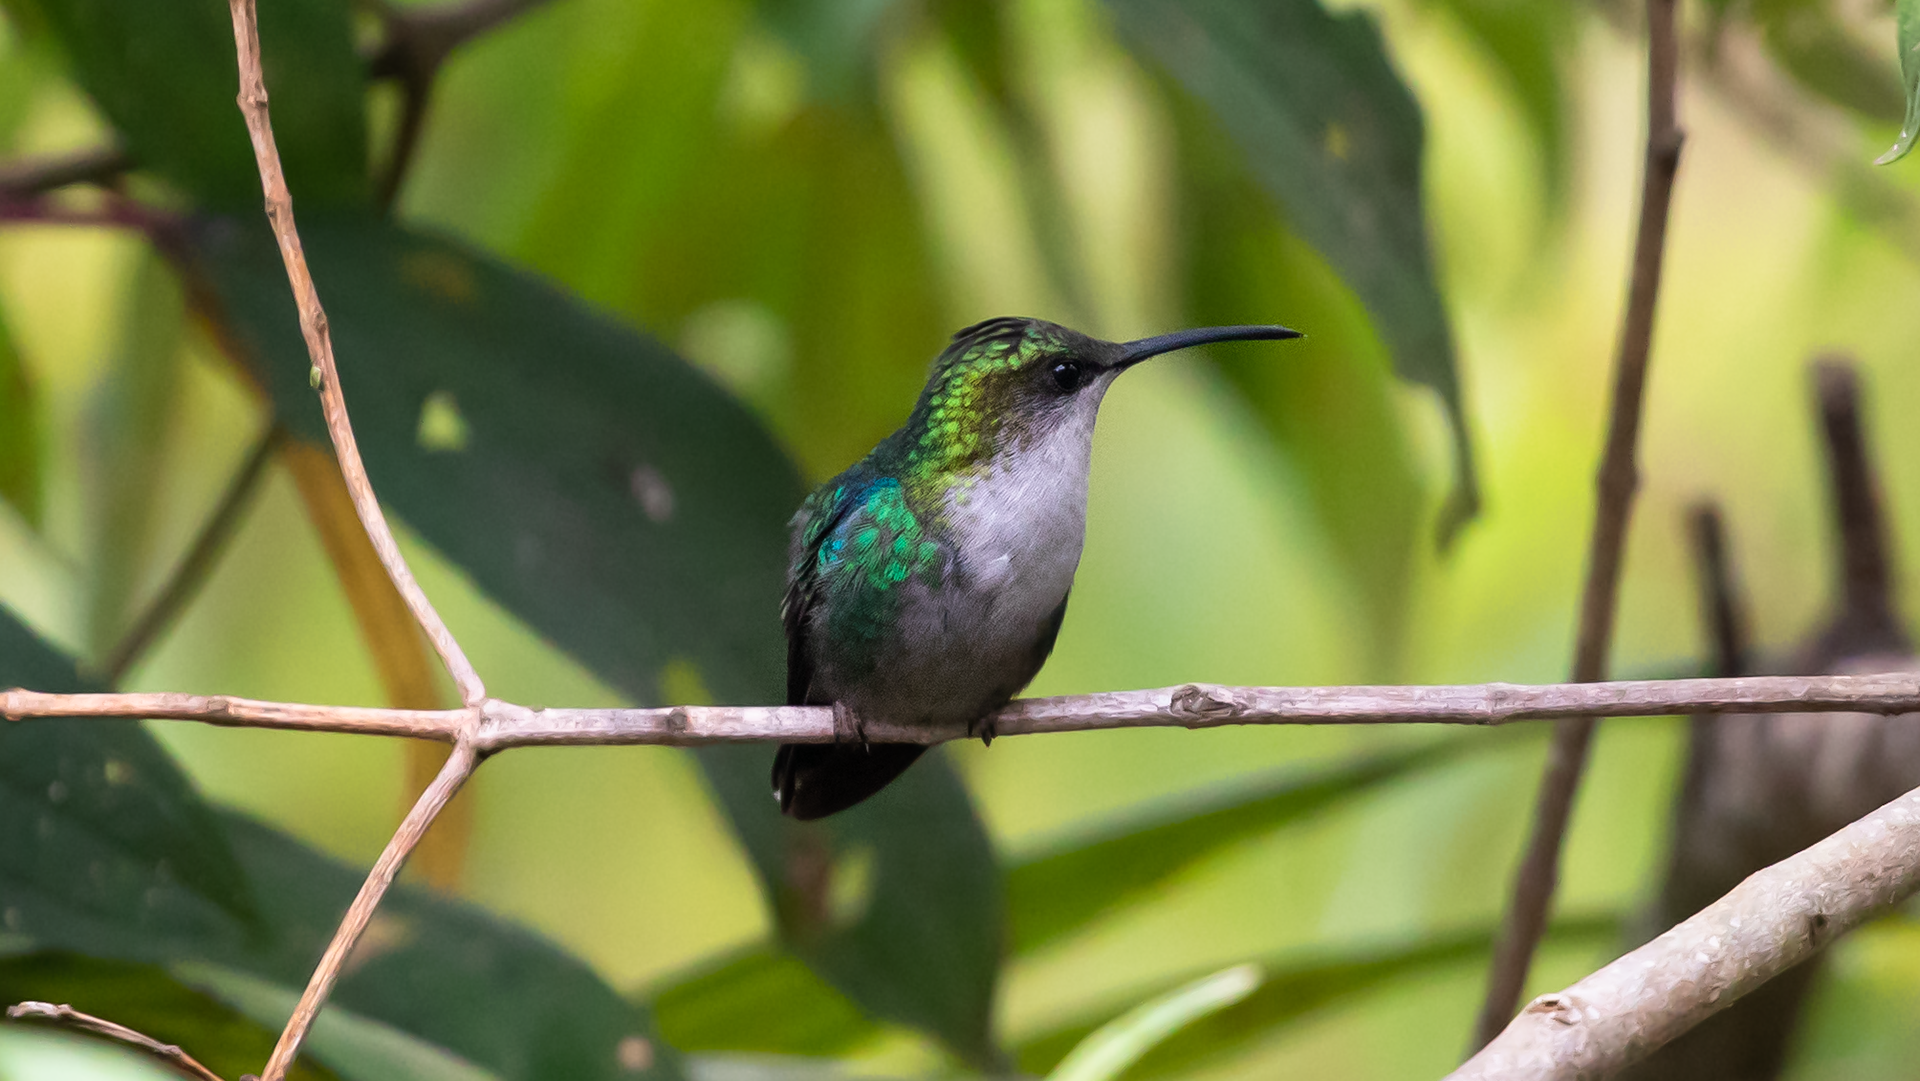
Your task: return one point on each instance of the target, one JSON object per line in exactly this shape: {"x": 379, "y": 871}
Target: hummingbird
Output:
{"x": 926, "y": 584}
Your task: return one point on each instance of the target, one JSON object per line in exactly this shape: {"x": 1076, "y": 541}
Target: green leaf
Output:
{"x": 1055, "y": 894}
{"x": 358, "y": 1048}
{"x": 1333, "y": 135}
{"x": 105, "y": 850}
{"x": 104, "y": 845}
{"x": 633, "y": 513}
{"x": 165, "y": 75}
{"x": 19, "y": 433}
{"x": 762, "y": 999}
{"x": 1121, "y": 1042}
{"x": 1812, "y": 45}
{"x": 1294, "y": 988}
{"x": 147, "y": 999}
{"x": 1908, "y": 15}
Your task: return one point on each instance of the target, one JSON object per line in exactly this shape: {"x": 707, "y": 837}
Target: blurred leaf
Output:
{"x": 1121, "y": 1042}
{"x": 1294, "y": 987}
{"x": 1809, "y": 41}
{"x": 104, "y": 845}
{"x": 166, "y": 76}
{"x": 129, "y": 419}
{"x": 1334, "y": 136}
{"x": 1528, "y": 43}
{"x": 1053, "y": 895}
{"x": 1908, "y": 16}
{"x": 360, "y": 1049}
{"x": 19, "y": 433}
{"x": 1329, "y": 406}
{"x": 635, "y": 515}
{"x": 762, "y": 1000}
{"x": 835, "y": 36}
{"x": 148, "y": 1000}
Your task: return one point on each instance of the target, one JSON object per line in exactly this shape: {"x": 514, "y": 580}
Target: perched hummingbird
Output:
{"x": 927, "y": 583}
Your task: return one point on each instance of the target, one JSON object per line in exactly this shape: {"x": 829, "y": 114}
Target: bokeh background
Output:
{"x": 612, "y": 146}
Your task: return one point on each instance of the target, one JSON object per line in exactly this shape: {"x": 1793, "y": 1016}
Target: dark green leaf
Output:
{"x": 634, "y": 514}
{"x": 1810, "y": 42}
{"x": 19, "y": 433}
{"x": 498, "y": 996}
{"x": 1908, "y": 16}
{"x": 1294, "y": 987}
{"x": 1055, "y": 894}
{"x": 1334, "y": 136}
{"x": 166, "y": 76}
{"x": 760, "y": 1000}
{"x": 148, "y": 1000}
{"x": 104, "y": 845}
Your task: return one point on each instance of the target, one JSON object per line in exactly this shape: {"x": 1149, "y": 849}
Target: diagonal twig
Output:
{"x": 313, "y": 326}
{"x": 1538, "y": 873}
{"x": 85, "y": 1022}
{"x": 37, "y": 176}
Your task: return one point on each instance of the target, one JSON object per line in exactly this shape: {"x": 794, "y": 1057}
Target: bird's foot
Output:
{"x": 984, "y": 728}
{"x": 847, "y": 725}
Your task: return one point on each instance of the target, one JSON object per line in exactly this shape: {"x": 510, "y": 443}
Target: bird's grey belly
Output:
{"x": 956, "y": 655}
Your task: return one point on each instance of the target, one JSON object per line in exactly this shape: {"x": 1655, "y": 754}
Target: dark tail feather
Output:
{"x": 814, "y": 780}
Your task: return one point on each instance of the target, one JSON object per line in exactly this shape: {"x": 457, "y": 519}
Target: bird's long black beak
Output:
{"x": 1132, "y": 353}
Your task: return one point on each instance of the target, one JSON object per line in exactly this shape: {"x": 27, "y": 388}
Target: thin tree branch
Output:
{"x": 1538, "y": 874}
{"x": 198, "y": 563}
{"x": 313, "y": 326}
{"x": 460, "y": 766}
{"x": 1772, "y": 921}
{"x": 496, "y": 726}
{"x": 1722, "y": 613}
{"x": 72, "y": 1018}
{"x": 37, "y": 176}
{"x": 1866, "y": 621}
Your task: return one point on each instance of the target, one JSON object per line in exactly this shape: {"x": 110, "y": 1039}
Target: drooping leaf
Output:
{"x": 1293, "y": 988}
{"x": 19, "y": 433}
{"x": 1115, "y": 1046}
{"x": 103, "y": 841}
{"x": 1057, "y": 893}
{"x": 1333, "y": 135}
{"x": 1811, "y": 43}
{"x": 165, "y": 75}
{"x": 148, "y": 1000}
{"x": 630, "y": 511}
{"x": 1908, "y": 21}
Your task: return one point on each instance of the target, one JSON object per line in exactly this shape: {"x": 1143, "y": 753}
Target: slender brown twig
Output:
{"x": 1772, "y": 921}
{"x": 198, "y": 563}
{"x": 1722, "y": 613}
{"x": 1538, "y": 873}
{"x": 460, "y": 766}
{"x": 313, "y": 326}
{"x": 496, "y": 726}
{"x": 85, "y": 1022}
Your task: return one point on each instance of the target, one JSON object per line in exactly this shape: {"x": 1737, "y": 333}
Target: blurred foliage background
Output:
{"x": 803, "y": 200}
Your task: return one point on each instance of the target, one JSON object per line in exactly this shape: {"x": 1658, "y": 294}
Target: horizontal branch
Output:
{"x": 1774, "y": 920}
{"x": 501, "y": 725}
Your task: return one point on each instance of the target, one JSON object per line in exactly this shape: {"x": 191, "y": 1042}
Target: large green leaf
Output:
{"x": 165, "y": 75}
{"x": 105, "y": 850}
{"x": 147, "y": 999}
{"x": 1057, "y": 893}
{"x": 103, "y": 843}
{"x": 762, "y": 999}
{"x": 1334, "y": 136}
{"x": 19, "y": 433}
{"x": 628, "y": 509}
{"x": 1293, "y": 988}
{"x": 1908, "y": 37}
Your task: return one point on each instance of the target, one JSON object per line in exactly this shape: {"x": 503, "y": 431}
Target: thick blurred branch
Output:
{"x": 1772, "y": 921}
{"x": 495, "y": 725}
{"x": 1539, "y": 870}
{"x": 69, "y": 1017}
{"x": 37, "y": 176}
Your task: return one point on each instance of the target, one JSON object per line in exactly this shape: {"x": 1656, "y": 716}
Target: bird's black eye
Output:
{"x": 1067, "y": 376}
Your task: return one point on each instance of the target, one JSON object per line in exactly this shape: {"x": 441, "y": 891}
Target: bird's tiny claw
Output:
{"x": 847, "y": 725}
{"x": 985, "y": 729}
